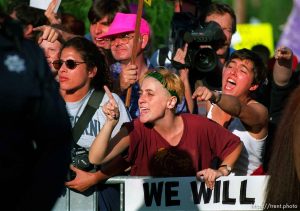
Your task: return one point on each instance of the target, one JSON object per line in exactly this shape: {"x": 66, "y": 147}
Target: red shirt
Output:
{"x": 202, "y": 141}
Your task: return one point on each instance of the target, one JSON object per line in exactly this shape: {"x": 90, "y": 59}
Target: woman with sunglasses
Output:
{"x": 159, "y": 131}
{"x": 81, "y": 70}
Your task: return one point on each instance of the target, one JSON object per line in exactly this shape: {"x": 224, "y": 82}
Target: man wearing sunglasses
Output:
{"x": 121, "y": 34}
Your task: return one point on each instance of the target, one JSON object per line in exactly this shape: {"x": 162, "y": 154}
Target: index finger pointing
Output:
{"x": 185, "y": 49}
{"x": 109, "y": 94}
{"x": 39, "y": 28}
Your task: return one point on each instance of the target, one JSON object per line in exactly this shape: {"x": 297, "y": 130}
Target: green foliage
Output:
{"x": 79, "y": 8}
{"x": 272, "y": 11}
{"x": 159, "y": 16}
{"x": 160, "y": 13}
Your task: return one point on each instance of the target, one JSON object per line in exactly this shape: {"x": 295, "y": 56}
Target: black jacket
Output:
{"x": 35, "y": 132}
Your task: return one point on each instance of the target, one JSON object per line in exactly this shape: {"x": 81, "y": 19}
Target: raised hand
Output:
{"x": 282, "y": 70}
{"x": 110, "y": 108}
{"x": 180, "y": 54}
{"x": 128, "y": 76}
{"x": 49, "y": 33}
{"x": 51, "y": 15}
{"x": 283, "y": 53}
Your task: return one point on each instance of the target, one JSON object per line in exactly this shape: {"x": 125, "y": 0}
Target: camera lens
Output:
{"x": 205, "y": 60}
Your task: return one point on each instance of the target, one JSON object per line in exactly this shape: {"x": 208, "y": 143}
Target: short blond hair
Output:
{"x": 169, "y": 80}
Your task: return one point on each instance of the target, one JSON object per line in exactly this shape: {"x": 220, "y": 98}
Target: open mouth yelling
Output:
{"x": 101, "y": 41}
{"x": 143, "y": 110}
{"x": 230, "y": 84}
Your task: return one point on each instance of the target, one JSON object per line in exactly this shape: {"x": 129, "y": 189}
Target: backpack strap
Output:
{"x": 87, "y": 114}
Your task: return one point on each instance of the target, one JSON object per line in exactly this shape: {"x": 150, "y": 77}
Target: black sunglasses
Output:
{"x": 70, "y": 64}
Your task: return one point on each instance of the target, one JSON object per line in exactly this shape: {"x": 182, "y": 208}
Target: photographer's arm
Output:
{"x": 112, "y": 168}
{"x": 184, "y": 76}
{"x": 84, "y": 180}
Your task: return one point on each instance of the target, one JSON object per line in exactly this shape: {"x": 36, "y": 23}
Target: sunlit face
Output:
{"x": 225, "y": 21}
{"x": 97, "y": 29}
{"x": 153, "y": 100}
{"x": 237, "y": 77}
{"x": 77, "y": 78}
{"x": 51, "y": 51}
{"x": 121, "y": 46}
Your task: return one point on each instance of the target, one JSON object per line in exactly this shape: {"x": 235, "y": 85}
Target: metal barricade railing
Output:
{"x": 73, "y": 201}
{"x": 189, "y": 192}
{"x": 120, "y": 181}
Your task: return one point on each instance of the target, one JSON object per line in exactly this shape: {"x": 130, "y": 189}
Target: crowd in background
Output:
{"x": 237, "y": 112}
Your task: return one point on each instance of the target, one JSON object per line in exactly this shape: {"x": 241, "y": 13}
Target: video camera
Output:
{"x": 80, "y": 159}
{"x": 204, "y": 59}
{"x": 188, "y": 28}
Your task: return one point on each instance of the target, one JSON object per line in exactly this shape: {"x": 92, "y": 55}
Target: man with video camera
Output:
{"x": 208, "y": 31}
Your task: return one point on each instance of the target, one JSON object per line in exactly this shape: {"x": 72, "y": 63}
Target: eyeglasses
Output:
{"x": 70, "y": 64}
{"x": 124, "y": 39}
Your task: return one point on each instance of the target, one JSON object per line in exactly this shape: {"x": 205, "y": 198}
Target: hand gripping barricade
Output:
{"x": 185, "y": 193}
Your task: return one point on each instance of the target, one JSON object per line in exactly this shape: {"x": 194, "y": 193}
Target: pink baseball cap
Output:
{"x": 123, "y": 23}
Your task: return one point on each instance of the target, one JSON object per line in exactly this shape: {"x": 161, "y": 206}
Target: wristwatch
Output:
{"x": 216, "y": 98}
{"x": 227, "y": 167}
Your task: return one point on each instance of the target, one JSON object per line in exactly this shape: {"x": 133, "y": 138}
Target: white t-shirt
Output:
{"x": 75, "y": 109}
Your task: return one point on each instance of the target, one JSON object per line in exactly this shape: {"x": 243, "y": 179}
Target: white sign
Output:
{"x": 43, "y": 4}
{"x": 186, "y": 193}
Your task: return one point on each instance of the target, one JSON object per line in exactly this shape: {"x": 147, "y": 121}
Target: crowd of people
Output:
{"x": 113, "y": 115}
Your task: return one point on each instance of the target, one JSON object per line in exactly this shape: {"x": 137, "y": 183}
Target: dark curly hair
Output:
{"x": 93, "y": 58}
